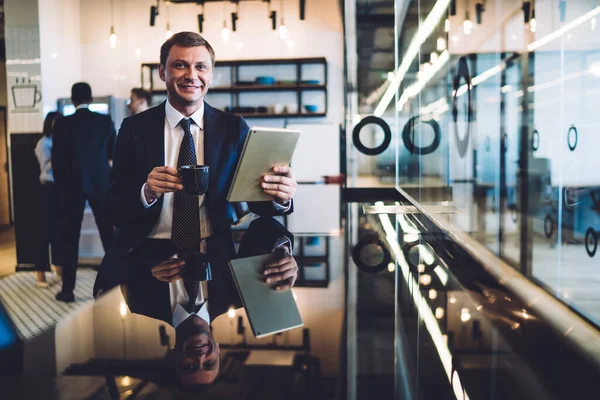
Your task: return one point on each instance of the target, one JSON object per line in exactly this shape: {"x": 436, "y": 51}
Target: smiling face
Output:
{"x": 197, "y": 358}
{"x": 188, "y": 73}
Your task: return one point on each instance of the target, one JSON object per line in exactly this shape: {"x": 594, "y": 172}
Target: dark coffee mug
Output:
{"x": 194, "y": 179}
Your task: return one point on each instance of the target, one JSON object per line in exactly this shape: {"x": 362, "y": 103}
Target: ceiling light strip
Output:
{"x": 424, "y": 78}
{"x": 425, "y": 29}
{"x": 425, "y": 311}
{"x": 484, "y": 76}
{"x": 564, "y": 29}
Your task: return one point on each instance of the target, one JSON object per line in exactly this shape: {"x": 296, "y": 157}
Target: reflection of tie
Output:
{"x": 185, "y": 232}
{"x": 191, "y": 287}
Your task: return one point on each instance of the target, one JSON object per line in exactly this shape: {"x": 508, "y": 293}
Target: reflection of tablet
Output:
{"x": 264, "y": 148}
{"x": 268, "y": 311}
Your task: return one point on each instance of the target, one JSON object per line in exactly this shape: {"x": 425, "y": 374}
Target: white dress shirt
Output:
{"x": 43, "y": 152}
{"x": 179, "y": 296}
{"x": 173, "y": 137}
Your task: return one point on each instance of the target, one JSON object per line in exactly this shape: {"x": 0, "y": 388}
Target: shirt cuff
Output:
{"x": 143, "y": 196}
{"x": 278, "y": 207}
{"x": 284, "y": 242}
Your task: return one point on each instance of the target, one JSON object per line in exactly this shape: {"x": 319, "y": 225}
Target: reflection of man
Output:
{"x": 139, "y": 101}
{"x": 81, "y": 152}
{"x": 165, "y": 295}
{"x": 146, "y": 200}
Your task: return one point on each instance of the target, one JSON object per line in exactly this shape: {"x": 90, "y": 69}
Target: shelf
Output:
{"x": 291, "y": 83}
{"x": 257, "y": 88}
{"x": 265, "y": 88}
{"x": 278, "y": 61}
{"x": 301, "y": 115}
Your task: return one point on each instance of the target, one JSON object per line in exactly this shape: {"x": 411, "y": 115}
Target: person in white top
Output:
{"x": 48, "y": 204}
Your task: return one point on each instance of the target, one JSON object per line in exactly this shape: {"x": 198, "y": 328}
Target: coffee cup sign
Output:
{"x": 26, "y": 96}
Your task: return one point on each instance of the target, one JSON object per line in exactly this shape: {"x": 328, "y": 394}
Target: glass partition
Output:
{"x": 497, "y": 133}
{"x": 487, "y": 128}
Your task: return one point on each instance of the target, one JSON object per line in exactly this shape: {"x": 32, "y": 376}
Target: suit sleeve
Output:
{"x": 262, "y": 208}
{"x": 124, "y": 204}
{"x": 111, "y": 139}
{"x": 59, "y": 153}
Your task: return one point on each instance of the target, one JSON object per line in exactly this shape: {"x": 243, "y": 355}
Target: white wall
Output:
{"x": 60, "y": 48}
{"x": 116, "y": 71}
{"x": 22, "y": 62}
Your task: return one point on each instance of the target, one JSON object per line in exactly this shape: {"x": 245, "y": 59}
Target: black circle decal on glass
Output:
{"x": 591, "y": 242}
{"x": 361, "y": 264}
{"x": 548, "y": 226}
{"x": 572, "y": 138}
{"x": 372, "y": 151}
{"x": 413, "y": 258}
{"x": 535, "y": 140}
{"x": 462, "y": 73}
{"x": 504, "y": 142}
{"x": 408, "y": 137}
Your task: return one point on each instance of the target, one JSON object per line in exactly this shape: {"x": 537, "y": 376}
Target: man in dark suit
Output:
{"x": 195, "y": 357}
{"x": 146, "y": 201}
{"x": 81, "y": 153}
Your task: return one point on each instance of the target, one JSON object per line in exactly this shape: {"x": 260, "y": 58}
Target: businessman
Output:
{"x": 146, "y": 203}
{"x": 81, "y": 153}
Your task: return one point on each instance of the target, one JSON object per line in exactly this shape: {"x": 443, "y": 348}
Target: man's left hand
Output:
{"x": 283, "y": 272}
{"x": 281, "y": 185}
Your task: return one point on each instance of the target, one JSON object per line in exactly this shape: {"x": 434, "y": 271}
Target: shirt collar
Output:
{"x": 82, "y": 106}
{"x": 174, "y": 117}
{"x": 180, "y": 315}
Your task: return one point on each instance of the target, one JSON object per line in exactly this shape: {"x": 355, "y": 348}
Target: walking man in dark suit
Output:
{"x": 153, "y": 215}
{"x": 81, "y": 154}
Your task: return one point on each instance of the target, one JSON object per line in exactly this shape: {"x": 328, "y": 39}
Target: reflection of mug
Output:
{"x": 26, "y": 96}
{"x": 194, "y": 179}
{"x": 197, "y": 266}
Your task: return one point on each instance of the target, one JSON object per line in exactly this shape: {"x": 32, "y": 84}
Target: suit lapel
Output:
{"x": 155, "y": 145}
{"x": 213, "y": 141}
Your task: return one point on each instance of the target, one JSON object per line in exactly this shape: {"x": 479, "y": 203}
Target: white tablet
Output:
{"x": 264, "y": 149}
{"x": 268, "y": 311}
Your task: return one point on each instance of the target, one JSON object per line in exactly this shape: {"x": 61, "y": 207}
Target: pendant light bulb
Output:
{"x": 447, "y": 25}
{"x": 441, "y": 44}
{"x": 168, "y": 33}
{"x": 112, "y": 40}
{"x": 225, "y": 32}
{"x": 467, "y": 25}
{"x": 533, "y": 22}
{"x": 283, "y": 32}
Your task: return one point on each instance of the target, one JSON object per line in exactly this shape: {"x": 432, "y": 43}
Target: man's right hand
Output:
{"x": 169, "y": 270}
{"x": 161, "y": 180}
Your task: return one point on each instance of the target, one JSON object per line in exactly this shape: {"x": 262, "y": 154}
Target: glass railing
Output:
{"x": 458, "y": 328}
{"x": 486, "y": 127}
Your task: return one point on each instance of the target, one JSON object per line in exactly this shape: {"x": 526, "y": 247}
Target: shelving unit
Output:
{"x": 268, "y": 67}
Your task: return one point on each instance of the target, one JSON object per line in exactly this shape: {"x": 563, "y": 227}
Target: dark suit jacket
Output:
{"x": 140, "y": 148}
{"x": 150, "y": 297}
{"x": 82, "y": 145}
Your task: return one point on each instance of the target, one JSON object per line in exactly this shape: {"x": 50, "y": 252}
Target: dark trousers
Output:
{"x": 47, "y": 228}
{"x": 73, "y": 212}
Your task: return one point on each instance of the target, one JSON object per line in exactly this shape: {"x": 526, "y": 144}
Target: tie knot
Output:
{"x": 186, "y": 123}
